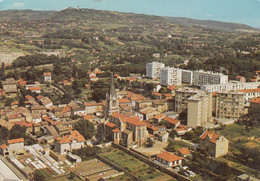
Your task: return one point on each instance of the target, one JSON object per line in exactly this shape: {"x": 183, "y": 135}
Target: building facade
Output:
{"x": 199, "y": 110}
{"x": 213, "y": 144}
{"x": 230, "y": 86}
{"x": 201, "y": 77}
{"x": 181, "y": 98}
{"x": 153, "y": 69}
{"x": 229, "y": 105}
{"x": 170, "y": 76}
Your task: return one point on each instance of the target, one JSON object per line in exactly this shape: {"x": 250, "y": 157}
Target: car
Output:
{"x": 192, "y": 174}
{"x": 186, "y": 174}
{"x": 185, "y": 168}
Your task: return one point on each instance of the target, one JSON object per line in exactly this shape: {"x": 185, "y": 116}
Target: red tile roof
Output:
{"x": 170, "y": 120}
{"x": 4, "y": 146}
{"x": 111, "y": 125}
{"x": 157, "y": 94}
{"x": 35, "y": 88}
{"x": 169, "y": 157}
{"x": 256, "y": 100}
{"x": 172, "y": 87}
{"x": 250, "y": 90}
{"x": 75, "y": 135}
{"x": 159, "y": 116}
{"x": 86, "y": 117}
{"x": 212, "y": 136}
{"x": 116, "y": 130}
{"x": 18, "y": 140}
{"x": 184, "y": 151}
{"x": 47, "y": 74}
{"x": 28, "y": 97}
{"x": 124, "y": 100}
{"x": 135, "y": 121}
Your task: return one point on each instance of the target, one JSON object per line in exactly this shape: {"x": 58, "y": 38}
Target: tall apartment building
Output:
{"x": 181, "y": 98}
{"x": 153, "y": 69}
{"x": 207, "y": 78}
{"x": 230, "y": 86}
{"x": 199, "y": 109}
{"x": 187, "y": 76}
{"x": 229, "y": 104}
{"x": 170, "y": 76}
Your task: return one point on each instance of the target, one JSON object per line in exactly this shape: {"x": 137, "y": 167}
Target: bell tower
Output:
{"x": 112, "y": 104}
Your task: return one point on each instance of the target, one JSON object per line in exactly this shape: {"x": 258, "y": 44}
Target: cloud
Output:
{"x": 18, "y": 5}
{"x": 1, "y": 1}
{"x": 102, "y": 0}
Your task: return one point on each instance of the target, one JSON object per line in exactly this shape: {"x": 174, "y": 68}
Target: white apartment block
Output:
{"x": 199, "y": 110}
{"x": 170, "y": 76}
{"x": 250, "y": 94}
{"x": 153, "y": 69}
{"x": 207, "y": 78}
{"x": 230, "y": 86}
{"x": 186, "y": 76}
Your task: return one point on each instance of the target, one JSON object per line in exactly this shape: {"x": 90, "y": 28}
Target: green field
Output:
{"x": 135, "y": 166}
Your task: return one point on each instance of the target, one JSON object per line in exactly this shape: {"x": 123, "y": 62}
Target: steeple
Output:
{"x": 112, "y": 104}
{"x": 112, "y": 91}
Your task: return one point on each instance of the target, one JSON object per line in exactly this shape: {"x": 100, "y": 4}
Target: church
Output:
{"x": 129, "y": 131}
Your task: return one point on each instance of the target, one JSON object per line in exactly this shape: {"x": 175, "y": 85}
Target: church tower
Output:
{"x": 112, "y": 104}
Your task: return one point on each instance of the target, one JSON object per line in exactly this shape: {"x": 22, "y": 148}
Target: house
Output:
{"x": 10, "y": 87}
{"x": 80, "y": 111}
{"x": 160, "y": 105}
{"x": 12, "y": 147}
{"x": 38, "y": 110}
{"x": 172, "y": 122}
{"x": 36, "y": 89}
{"x": 141, "y": 104}
{"x": 93, "y": 77}
{"x": 183, "y": 152}
{"x": 254, "y": 106}
{"x": 240, "y": 78}
{"x": 69, "y": 142}
{"x": 149, "y": 113}
{"x": 14, "y": 105}
{"x": 163, "y": 136}
{"x": 47, "y": 77}
{"x": 169, "y": 159}
{"x": 156, "y": 95}
{"x": 213, "y": 144}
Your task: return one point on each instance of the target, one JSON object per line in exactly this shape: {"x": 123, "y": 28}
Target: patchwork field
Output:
{"x": 135, "y": 166}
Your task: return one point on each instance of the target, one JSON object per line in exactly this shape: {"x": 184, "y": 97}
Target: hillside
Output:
{"x": 24, "y": 15}
{"x": 218, "y": 25}
{"x": 125, "y": 42}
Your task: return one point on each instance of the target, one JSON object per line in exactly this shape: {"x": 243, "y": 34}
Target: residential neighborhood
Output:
{"x": 103, "y": 95}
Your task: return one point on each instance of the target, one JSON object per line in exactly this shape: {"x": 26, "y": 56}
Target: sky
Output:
{"x": 237, "y": 11}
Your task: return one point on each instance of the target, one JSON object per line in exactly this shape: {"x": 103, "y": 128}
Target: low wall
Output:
{"x": 20, "y": 170}
{"x": 151, "y": 163}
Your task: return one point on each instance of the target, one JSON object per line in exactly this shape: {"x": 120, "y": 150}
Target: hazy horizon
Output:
{"x": 234, "y": 11}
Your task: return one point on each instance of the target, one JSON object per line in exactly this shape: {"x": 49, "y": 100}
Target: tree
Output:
{"x": 171, "y": 146}
{"x": 4, "y": 133}
{"x": 17, "y": 131}
{"x": 72, "y": 175}
{"x": 86, "y": 128}
{"x": 38, "y": 176}
{"x": 173, "y": 133}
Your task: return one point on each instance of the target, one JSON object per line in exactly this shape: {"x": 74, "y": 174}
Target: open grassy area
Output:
{"x": 134, "y": 165}
{"x": 236, "y": 131}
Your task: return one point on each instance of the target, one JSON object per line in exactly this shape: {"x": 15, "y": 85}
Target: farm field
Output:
{"x": 135, "y": 166}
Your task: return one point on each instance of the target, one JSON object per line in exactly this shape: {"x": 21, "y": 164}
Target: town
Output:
{"x": 63, "y": 120}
